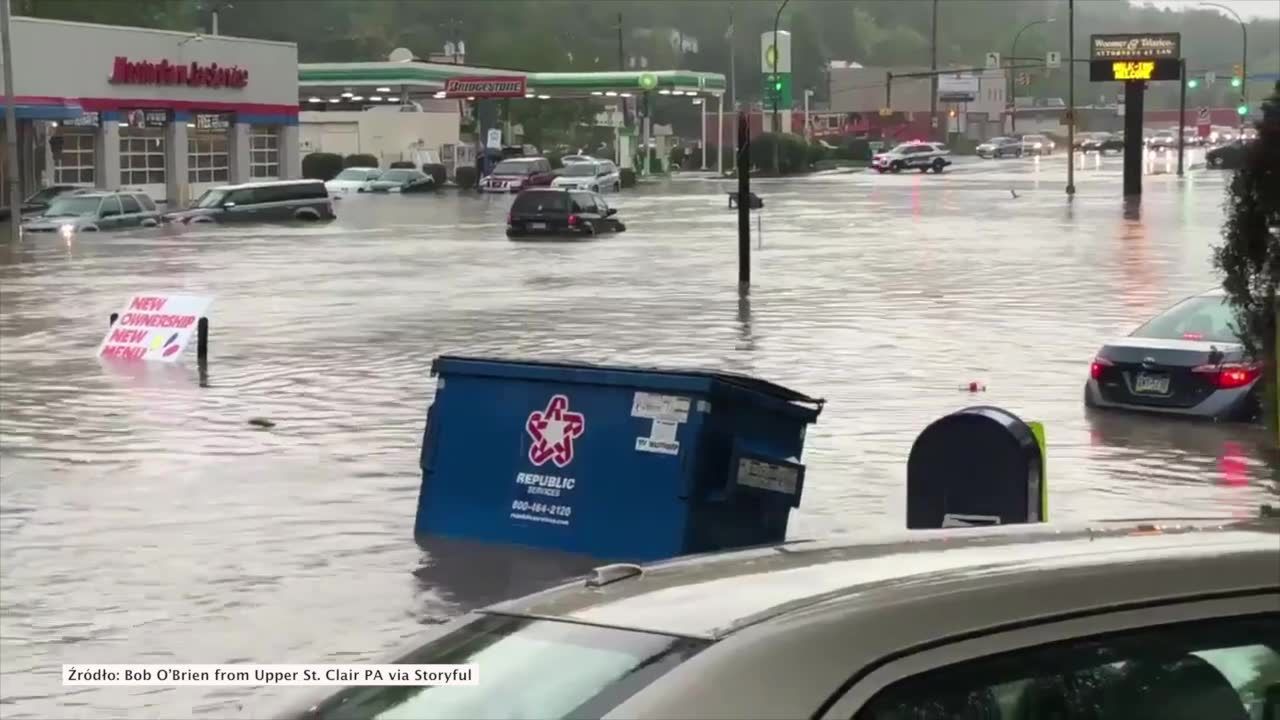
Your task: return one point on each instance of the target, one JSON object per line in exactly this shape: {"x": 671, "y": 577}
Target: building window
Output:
{"x": 264, "y": 153}
{"x": 142, "y": 156}
{"x": 74, "y": 165}
{"x": 207, "y": 157}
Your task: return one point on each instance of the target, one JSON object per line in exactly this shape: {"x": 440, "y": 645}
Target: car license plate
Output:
{"x": 537, "y": 226}
{"x": 1152, "y": 384}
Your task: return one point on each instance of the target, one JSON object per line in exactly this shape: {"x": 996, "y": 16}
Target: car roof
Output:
{"x": 715, "y": 595}
{"x": 275, "y": 183}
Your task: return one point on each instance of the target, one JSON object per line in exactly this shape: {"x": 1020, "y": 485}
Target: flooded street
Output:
{"x": 142, "y": 519}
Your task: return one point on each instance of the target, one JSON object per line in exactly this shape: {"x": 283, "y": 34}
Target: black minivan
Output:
{"x": 259, "y": 202}
{"x": 557, "y": 212}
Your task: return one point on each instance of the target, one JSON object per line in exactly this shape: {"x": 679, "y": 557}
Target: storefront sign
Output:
{"x": 146, "y": 118}
{"x": 146, "y": 72}
{"x": 1134, "y": 70}
{"x": 89, "y": 119}
{"x": 153, "y": 327}
{"x": 213, "y": 121}
{"x": 490, "y": 86}
{"x": 1135, "y": 46}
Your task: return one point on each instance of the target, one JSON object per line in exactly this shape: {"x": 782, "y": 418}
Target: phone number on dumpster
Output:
{"x": 541, "y": 512}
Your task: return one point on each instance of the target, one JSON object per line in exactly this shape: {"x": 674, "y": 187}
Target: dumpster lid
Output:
{"x": 745, "y": 382}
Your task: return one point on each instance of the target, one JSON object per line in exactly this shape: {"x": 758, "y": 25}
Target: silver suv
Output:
{"x": 93, "y": 210}
{"x": 1127, "y": 620}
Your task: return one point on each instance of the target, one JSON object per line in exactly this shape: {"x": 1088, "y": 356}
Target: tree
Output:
{"x": 1249, "y": 257}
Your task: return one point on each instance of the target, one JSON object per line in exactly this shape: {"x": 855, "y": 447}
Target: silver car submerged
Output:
{"x": 1187, "y": 360}
{"x": 89, "y": 211}
{"x": 1014, "y": 622}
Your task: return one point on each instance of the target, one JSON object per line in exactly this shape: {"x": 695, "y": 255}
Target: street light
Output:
{"x": 1013, "y": 52}
{"x": 1244, "y": 56}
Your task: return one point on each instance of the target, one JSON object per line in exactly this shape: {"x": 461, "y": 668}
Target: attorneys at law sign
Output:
{"x": 153, "y": 326}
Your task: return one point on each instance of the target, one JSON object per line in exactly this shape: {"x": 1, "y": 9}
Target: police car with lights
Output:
{"x": 1123, "y": 619}
{"x": 922, "y": 156}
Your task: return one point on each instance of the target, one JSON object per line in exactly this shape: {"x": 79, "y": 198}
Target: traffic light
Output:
{"x": 1242, "y": 109}
{"x": 777, "y": 86}
{"x": 1237, "y": 72}
{"x": 1192, "y": 83}
{"x": 1235, "y": 82}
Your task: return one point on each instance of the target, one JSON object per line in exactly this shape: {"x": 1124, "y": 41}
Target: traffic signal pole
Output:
{"x": 1182, "y": 112}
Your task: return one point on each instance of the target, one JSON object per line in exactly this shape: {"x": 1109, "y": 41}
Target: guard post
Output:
{"x": 978, "y": 466}
{"x": 1134, "y": 59}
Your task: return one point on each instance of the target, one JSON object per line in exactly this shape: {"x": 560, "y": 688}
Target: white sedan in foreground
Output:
{"x": 1135, "y": 620}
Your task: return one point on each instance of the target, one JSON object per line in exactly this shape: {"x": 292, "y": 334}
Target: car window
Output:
{"x": 540, "y": 202}
{"x": 579, "y": 169}
{"x": 145, "y": 200}
{"x": 1219, "y": 669}
{"x": 130, "y": 205}
{"x": 602, "y": 207}
{"x": 269, "y": 194}
{"x": 583, "y": 203}
{"x": 1206, "y": 318}
{"x": 69, "y": 205}
{"x": 243, "y": 196}
{"x": 596, "y": 668}
{"x": 544, "y": 166}
{"x": 110, "y": 207}
{"x": 507, "y": 167}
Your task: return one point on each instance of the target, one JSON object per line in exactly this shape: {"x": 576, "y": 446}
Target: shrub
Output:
{"x": 465, "y": 176}
{"x": 402, "y": 164}
{"x": 793, "y": 153}
{"x": 360, "y": 160}
{"x": 628, "y": 177}
{"x": 438, "y": 172}
{"x": 321, "y": 166}
{"x": 816, "y": 153}
{"x": 853, "y": 149}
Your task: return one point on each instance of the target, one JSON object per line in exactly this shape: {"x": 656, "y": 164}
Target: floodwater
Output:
{"x": 142, "y": 519}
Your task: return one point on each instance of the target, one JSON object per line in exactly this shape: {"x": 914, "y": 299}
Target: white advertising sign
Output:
{"x": 153, "y": 326}
{"x": 958, "y": 88}
{"x": 494, "y": 139}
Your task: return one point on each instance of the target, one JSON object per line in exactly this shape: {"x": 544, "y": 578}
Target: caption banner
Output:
{"x": 256, "y": 675}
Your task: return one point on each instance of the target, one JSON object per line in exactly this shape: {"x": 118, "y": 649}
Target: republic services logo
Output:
{"x": 553, "y": 431}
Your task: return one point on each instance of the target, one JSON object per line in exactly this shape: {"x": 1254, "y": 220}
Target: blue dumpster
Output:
{"x": 614, "y": 462}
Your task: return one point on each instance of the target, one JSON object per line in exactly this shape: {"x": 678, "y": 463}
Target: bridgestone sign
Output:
{"x": 506, "y": 86}
{"x": 1135, "y": 46}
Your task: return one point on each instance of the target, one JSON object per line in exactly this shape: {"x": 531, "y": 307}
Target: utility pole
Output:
{"x": 10, "y": 129}
{"x": 1071, "y": 98}
{"x": 1182, "y": 111}
{"x": 935, "y": 126}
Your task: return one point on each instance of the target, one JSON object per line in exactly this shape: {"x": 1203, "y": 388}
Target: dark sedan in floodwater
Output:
{"x": 563, "y": 213}
{"x": 1187, "y": 360}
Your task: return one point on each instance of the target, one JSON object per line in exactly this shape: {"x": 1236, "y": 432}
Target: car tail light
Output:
{"x": 1097, "y": 367}
{"x": 573, "y": 221}
{"x": 1229, "y": 376}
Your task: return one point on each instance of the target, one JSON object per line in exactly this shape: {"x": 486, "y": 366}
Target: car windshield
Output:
{"x": 46, "y": 194}
{"x": 71, "y": 206}
{"x": 398, "y": 175}
{"x": 211, "y": 198}
{"x": 357, "y": 174}
{"x": 513, "y": 168}
{"x": 577, "y": 169}
{"x": 586, "y": 671}
{"x": 1204, "y": 317}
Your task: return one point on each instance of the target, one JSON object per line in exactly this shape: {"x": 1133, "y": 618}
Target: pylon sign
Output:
{"x": 775, "y": 67}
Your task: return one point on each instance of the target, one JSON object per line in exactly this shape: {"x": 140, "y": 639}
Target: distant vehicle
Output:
{"x": 1187, "y": 360}
{"x": 1038, "y": 145}
{"x": 998, "y": 147}
{"x": 1221, "y": 135}
{"x": 1103, "y": 143}
{"x": 1226, "y": 157}
{"x": 1163, "y": 140}
{"x": 402, "y": 180}
{"x": 1165, "y": 618}
{"x": 552, "y": 211}
{"x": 1191, "y": 137}
{"x": 920, "y": 156}
{"x": 38, "y": 201}
{"x": 516, "y": 174}
{"x": 595, "y": 175}
{"x": 84, "y": 211}
{"x": 259, "y": 202}
{"x": 1249, "y": 134}
{"x": 353, "y": 179}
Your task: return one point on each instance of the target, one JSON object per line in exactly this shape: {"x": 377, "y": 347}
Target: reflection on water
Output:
{"x": 142, "y": 519}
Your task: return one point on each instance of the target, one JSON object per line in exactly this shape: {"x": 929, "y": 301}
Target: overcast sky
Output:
{"x": 1248, "y": 9}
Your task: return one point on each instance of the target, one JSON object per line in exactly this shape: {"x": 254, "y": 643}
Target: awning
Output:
{"x": 42, "y": 108}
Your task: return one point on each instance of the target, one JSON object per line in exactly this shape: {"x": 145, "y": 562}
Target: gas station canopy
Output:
{"x": 331, "y": 83}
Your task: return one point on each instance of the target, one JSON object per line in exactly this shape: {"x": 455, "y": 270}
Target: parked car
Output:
{"x": 1103, "y": 143}
{"x": 1226, "y": 157}
{"x": 39, "y": 200}
{"x": 595, "y": 175}
{"x": 353, "y": 179}
{"x": 1038, "y": 145}
{"x": 402, "y": 180}
{"x": 553, "y": 211}
{"x": 259, "y": 202}
{"x": 920, "y": 156}
{"x": 1132, "y": 620}
{"x": 1163, "y": 140}
{"x": 1187, "y": 360}
{"x": 90, "y": 211}
{"x": 516, "y": 174}
{"x": 998, "y": 147}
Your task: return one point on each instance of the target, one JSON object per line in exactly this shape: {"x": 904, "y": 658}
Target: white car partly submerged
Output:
{"x": 353, "y": 179}
{"x": 595, "y": 175}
